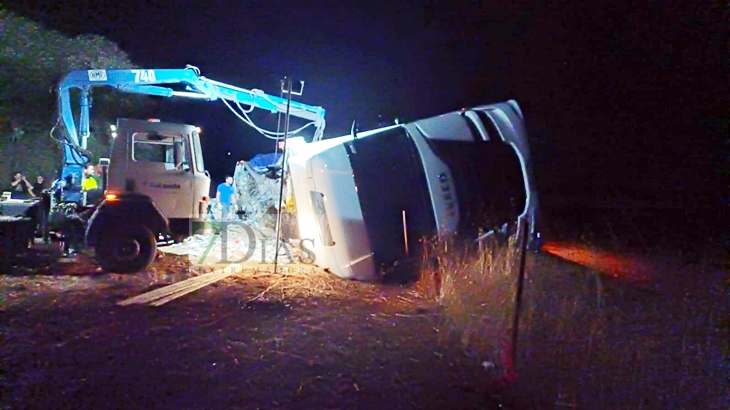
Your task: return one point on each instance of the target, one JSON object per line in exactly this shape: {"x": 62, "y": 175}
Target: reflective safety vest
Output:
{"x": 89, "y": 184}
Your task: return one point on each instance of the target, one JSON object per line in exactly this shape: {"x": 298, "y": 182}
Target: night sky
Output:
{"x": 618, "y": 97}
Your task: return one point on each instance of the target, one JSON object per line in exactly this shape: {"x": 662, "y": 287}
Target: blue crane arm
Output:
{"x": 151, "y": 82}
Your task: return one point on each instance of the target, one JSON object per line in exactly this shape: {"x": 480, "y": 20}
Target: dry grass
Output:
{"x": 476, "y": 290}
{"x": 585, "y": 336}
{"x": 289, "y": 282}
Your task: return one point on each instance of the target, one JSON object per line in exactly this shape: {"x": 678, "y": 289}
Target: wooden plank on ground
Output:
{"x": 184, "y": 287}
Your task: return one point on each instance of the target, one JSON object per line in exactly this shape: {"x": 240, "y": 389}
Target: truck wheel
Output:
{"x": 126, "y": 250}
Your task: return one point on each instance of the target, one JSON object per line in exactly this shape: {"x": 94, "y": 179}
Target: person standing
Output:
{"x": 89, "y": 181}
{"x": 38, "y": 186}
{"x": 20, "y": 188}
{"x": 226, "y": 196}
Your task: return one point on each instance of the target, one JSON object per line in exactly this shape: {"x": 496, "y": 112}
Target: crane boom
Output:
{"x": 153, "y": 82}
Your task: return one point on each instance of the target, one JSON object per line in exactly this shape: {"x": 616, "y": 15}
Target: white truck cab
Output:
{"x": 365, "y": 201}
{"x": 163, "y": 161}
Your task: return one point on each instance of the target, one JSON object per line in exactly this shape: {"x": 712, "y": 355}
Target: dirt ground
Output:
{"x": 324, "y": 343}
{"x": 313, "y": 341}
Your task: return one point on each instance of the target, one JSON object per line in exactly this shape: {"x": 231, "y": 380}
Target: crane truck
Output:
{"x": 155, "y": 179}
{"x": 363, "y": 200}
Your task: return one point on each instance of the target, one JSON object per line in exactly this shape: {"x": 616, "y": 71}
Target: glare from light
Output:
{"x": 198, "y": 130}
{"x": 308, "y": 227}
{"x": 113, "y": 128}
{"x": 619, "y": 266}
{"x": 114, "y": 134}
{"x": 191, "y": 95}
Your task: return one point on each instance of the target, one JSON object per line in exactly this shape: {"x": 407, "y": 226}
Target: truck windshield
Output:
{"x": 392, "y": 187}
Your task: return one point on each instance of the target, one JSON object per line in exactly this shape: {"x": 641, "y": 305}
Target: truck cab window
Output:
{"x": 149, "y": 152}
{"x": 171, "y": 151}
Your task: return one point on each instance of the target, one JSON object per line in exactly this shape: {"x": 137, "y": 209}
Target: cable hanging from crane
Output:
{"x": 76, "y": 150}
{"x": 243, "y": 116}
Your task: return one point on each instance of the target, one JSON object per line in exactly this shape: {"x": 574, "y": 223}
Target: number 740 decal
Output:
{"x": 144, "y": 76}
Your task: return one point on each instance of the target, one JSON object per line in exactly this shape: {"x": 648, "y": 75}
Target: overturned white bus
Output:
{"x": 366, "y": 200}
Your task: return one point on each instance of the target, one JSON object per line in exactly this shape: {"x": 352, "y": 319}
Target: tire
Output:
{"x": 126, "y": 250}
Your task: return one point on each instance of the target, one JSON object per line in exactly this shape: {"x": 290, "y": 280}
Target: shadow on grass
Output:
{"x": 47, "y": 260}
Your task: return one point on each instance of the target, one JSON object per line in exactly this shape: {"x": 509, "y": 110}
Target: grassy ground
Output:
{"x": 599, "y": 342}
{"x": 591, "y": 336}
